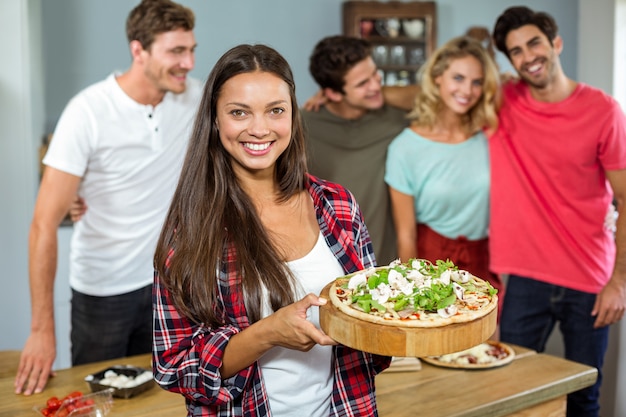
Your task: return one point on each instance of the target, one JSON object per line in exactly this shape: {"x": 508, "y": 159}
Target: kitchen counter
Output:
{"x": 9, "y": 359}
{"x": 532, "y": 384}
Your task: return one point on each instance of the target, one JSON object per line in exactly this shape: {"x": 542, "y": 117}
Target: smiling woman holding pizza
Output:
{"x": 438, "y": 168}
{"x": 249, "y": 240}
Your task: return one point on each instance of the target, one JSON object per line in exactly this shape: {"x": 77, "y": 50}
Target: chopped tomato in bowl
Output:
{"x": 76, "y": 404}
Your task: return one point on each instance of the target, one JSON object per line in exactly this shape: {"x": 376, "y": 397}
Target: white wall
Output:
{"x": 619, "y": 54}
{"x": 21, "y": 122}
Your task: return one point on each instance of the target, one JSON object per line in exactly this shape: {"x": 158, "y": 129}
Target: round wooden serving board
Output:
{"x": 403, "y": 341}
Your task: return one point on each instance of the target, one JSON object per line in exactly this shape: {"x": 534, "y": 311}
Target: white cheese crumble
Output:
{"x": 115, "y": 380}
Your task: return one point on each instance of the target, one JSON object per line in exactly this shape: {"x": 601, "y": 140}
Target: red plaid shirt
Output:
{"x": 187, "y": 355}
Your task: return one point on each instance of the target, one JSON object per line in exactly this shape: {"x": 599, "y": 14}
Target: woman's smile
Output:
{"x": 257, "y": 147}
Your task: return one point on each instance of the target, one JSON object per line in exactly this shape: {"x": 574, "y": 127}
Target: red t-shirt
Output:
{"x": 549, "y": 195}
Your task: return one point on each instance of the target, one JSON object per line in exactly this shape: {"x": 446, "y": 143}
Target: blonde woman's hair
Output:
{"x": 428, "y": 103}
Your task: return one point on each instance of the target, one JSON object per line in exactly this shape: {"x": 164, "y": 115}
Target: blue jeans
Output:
{"x": 111, "y": 327}
{"x": 532, "y": 308}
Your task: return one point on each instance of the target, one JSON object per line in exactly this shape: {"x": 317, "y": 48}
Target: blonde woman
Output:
{"x": 438, "y": 168}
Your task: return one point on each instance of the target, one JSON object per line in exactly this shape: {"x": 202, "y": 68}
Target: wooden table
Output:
{"x": 153, "y": 403}
{"x": 9, "y": 359}
{"x": 531, "y": 385}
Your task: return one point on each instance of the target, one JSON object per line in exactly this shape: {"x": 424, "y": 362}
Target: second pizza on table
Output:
{"x": 489, "y": 354}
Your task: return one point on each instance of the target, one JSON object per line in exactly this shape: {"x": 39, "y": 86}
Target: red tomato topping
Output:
{"x": 54, "y": 403}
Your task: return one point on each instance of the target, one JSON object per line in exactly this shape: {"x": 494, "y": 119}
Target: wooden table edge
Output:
{"x": 522, "y": 402}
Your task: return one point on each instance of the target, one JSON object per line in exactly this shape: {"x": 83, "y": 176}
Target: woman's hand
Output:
{"x": 291, "y": 329}
{"x": 287, "y": 327}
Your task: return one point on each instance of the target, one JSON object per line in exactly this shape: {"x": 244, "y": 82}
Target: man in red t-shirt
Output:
{"x": 558, "y": 160}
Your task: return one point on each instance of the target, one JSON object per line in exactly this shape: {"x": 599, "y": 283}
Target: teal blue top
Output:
{"x": 449, "y": 182}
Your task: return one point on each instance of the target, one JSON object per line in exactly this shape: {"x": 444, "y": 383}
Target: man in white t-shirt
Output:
{"x": 119, "y": 144}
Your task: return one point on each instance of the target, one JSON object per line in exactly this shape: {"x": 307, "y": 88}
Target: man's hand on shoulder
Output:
{"x": 508, "y": 76}
{"x": 78, "y": 208}
{"x": 315, "y": 102}
{"x": 401, "y": 97}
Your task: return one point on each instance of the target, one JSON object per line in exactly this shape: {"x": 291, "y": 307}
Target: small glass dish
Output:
{"x": 124, "y": 380}
{"x": 96, "y": 404}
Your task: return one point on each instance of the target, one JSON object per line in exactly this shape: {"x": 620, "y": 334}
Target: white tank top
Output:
{"x": 301, "y": 383}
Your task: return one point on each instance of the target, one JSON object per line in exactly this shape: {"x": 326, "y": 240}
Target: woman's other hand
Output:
{"x": 291, "y": 329}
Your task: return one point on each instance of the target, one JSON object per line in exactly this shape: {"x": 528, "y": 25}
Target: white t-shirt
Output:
{"x": 301, "y": 383}
{"x": 129, "y": 156}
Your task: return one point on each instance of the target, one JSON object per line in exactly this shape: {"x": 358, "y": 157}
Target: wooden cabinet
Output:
{"x": 403, "y": 35}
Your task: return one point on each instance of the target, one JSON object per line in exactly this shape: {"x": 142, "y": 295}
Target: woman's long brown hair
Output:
{"x": 211, "y": 214}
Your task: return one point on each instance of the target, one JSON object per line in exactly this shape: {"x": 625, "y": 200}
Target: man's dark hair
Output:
{"x": 152, "y": 17}
{"x": 333, "y": 57}
{"x": 518, "y": 16}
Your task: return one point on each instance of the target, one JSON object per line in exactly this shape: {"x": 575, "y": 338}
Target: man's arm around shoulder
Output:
{"x": 401, "y": 97}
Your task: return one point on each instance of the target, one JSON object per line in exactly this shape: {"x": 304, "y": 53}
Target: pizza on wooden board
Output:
{"x": 489, "y": 354}
{"x": 414, "y": 294}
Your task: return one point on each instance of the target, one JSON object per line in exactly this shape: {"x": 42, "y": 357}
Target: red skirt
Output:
{"x": 470, "y": 255}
